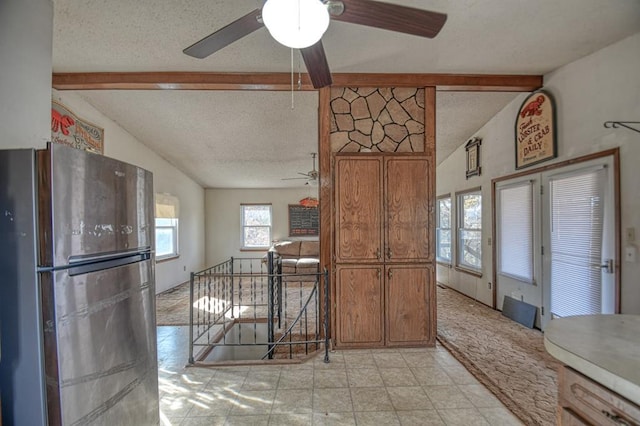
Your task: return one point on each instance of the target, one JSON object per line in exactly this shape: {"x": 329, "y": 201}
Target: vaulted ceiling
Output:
{"x": 252, "y": 139}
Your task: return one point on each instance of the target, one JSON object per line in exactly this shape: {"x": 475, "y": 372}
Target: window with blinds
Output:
{"x": 515, "y": 231}
{"x": 166, "y": 221}
{"x": 577, "y": 217}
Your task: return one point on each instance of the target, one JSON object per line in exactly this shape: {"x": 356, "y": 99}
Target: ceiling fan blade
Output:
{"x": 226, "y": 35}
{"x": 317, "y": 66}
{"x": 392, "y": 17}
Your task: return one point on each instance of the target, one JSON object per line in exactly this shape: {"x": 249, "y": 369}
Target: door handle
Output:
{"x": 378, "y": 254}
{"x": 390, "y": 273}
{"x": 608, "y": 266}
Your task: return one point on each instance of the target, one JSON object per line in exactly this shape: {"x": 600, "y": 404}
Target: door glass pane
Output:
{"x": 515, "y": 231}
{"x": 577, "y": 213}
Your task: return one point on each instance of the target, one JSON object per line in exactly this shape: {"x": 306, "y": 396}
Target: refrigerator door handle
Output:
{"x": 106, "y": 256}
{"x": 85, "y": 268}
{"x": 85, "y": 264}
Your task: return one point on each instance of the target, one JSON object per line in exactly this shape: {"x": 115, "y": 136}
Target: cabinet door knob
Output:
{"x": 615, "y": 418}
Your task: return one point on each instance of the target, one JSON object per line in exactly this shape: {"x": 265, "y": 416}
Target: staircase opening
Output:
{"x": 246, "y": 310}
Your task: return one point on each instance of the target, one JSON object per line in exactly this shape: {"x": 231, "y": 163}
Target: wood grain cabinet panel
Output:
{"x": 382, "y": 225}
{"x": 407, "y": 201}
{"x": 592, "y": 402}
{"x": 359, "y": 301}
{"x": 359, "y": 210}
{"x": 569, "y": 418}
{"x": 409, "y": 292}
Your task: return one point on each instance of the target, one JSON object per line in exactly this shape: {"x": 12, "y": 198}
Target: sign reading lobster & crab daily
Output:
{"x": 535, "y": 130}
{"x": 68, "y": 129}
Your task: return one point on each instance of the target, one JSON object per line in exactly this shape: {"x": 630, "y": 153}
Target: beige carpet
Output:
{"x": 508, "y": 358}
{"x": 172, "y": 306}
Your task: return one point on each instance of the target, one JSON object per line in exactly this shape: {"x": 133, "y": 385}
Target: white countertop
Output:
{"x": 605, "y": 348}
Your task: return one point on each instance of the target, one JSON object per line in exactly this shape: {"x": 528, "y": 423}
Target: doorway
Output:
{"x": 559, "y": 252}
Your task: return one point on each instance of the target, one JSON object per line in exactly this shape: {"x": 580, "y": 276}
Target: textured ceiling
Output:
{"x": 232, "y": 139}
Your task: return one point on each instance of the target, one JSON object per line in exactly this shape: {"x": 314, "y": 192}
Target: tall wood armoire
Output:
{"x": 384, "y": 285}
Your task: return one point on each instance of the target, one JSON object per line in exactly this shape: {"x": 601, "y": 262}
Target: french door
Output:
{"x": 556, "y": 242}
{"x": 578, "y": 240}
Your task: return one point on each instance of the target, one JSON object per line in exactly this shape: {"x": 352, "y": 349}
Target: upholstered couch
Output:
{"x": 298, "y": 257}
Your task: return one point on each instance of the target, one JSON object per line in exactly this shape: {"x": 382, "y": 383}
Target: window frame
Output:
{"x": 174, "y": 226}
{"x": 243, "y": 246}
{"x": 440, "y": 228}
{"x": 465, "y": 267}
{"x": 499, "y": 231}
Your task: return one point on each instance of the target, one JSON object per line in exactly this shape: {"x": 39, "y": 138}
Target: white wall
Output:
{"x": 600, "y": 87}
{"x": 26, "y": 31}
{"x": 123, "y": 146}
{"x": 223, "y": 218}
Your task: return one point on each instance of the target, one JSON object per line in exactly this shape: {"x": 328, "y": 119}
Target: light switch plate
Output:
{"x": 630, "y": 234}
{"x": 630, "y": 254}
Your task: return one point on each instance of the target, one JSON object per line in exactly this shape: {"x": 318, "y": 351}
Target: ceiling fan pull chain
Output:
{"x": 292, "y": 78}
{"x": 299, "y": 73}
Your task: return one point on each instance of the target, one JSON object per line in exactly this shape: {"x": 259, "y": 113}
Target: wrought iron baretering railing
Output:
{"x": 249, "y": 304}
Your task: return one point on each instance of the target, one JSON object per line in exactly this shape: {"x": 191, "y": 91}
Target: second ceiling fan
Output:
{"x": 288, "y": 21}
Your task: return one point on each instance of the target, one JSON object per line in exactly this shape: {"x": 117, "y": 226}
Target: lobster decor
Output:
{"x": 68, "y": 129}
{"x": 535, "y": 130}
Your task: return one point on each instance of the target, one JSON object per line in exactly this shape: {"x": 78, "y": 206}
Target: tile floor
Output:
{"x": 358, "y": 387}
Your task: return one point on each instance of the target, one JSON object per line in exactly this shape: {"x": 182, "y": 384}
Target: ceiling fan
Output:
{"x": 311, "y": 176}
{"x": 301, "y": 24}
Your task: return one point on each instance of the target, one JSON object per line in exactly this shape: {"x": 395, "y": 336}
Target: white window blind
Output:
{"x": 167, "y": 206}
{"x": 515, "y": 231}
{"x": 577, "y": 215}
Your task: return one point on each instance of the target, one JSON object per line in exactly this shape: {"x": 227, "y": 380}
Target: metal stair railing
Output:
{"x": 231, "y": 302}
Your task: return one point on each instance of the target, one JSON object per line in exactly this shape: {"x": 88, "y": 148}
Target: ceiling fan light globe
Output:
{"x": 296, "y": 23}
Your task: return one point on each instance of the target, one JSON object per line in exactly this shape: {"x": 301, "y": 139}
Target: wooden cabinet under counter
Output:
{"x": 592, "y": 403}
{"x": 600, "y": 381}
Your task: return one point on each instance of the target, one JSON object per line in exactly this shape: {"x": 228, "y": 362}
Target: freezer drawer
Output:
{"x": 100, "y": 346}
{"x": 91, "y": 204}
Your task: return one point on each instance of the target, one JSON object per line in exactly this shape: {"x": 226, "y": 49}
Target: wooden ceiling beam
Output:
{"x": 444, "y": 82}
{"x": 282, "y": 81}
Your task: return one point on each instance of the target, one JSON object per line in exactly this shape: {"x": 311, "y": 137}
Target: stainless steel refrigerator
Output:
{"x": 77, "y": 290}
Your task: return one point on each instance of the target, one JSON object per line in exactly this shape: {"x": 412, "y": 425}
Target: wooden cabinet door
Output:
{"x": 409, "y": 294}
{"x": 359, "y": 306}
{"x": 359, "y": 209}
{"x": 407, "y": 201}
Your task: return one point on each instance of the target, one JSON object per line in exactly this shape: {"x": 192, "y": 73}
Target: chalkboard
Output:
{"x": 303, "y": 220}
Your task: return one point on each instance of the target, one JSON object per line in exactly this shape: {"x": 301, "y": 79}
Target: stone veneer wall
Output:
{"x": 367, "y": 119}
